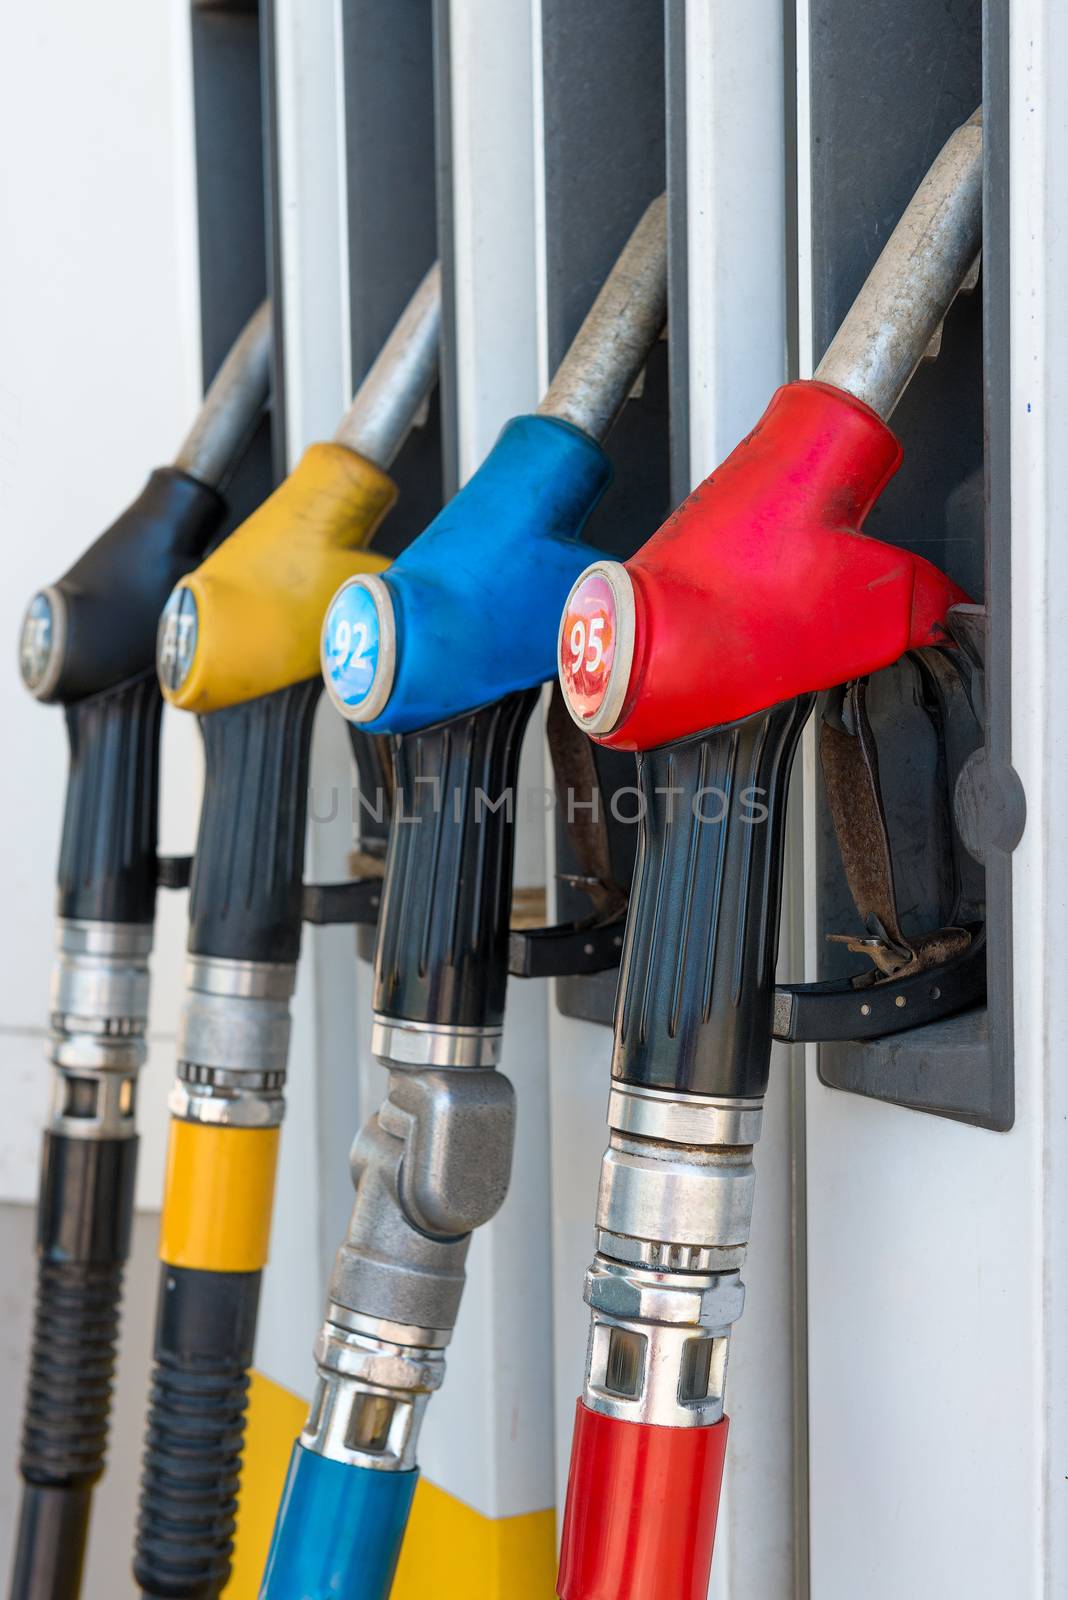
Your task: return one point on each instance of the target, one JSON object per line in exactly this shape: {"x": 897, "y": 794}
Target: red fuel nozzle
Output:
{"x": 761, "y": 587}
{"x": 673, "y": 1475}
{"x": 704, "y": 653}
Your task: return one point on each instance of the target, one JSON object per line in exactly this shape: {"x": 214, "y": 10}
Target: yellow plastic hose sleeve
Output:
{"x": 217, "y": 1197}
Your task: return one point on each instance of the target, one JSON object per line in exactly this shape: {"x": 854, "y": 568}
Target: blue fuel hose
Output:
{"x": 339, "y": 1531}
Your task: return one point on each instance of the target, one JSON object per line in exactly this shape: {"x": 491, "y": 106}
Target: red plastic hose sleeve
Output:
{"x": 642, "y": 1503}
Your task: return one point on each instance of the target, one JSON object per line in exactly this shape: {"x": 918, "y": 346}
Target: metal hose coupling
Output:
{"x": 664, "y": 1292}
{"x": 673, "y": 1215}
{"x": 99, "y": 1018}
{"x": 374, "y": 1379}
{"x": 233, "y": 1042}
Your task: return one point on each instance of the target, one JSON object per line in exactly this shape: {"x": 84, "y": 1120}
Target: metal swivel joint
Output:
{"x": 430, "y": 1167}
{"x": 703, "y": 653}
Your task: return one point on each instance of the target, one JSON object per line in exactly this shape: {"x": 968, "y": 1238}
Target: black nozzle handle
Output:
{"x": 107, "y": 857}
{"x": 442, "y": 954}
{"x": 84, "y": 1218}
{"x": 205, "y": 1330}
{"x": 697, "y": 978}
{"x": 246, "y": 899}
{"x": 106, "y": 610}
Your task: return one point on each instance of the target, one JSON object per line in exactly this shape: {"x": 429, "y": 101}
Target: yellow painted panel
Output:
{"x": 261, "y": 596}
{"x": 275, "y": 1418}
{"x": 217, "y": 1197}
{"x": 454, "y": 1553}
{"x": 450, "y": 1553}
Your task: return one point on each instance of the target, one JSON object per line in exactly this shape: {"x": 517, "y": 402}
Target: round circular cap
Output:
{"x": 595, "y": 649}
{"x": 176, "y": 638}
{"x": 42, "y": 641}
{"x": 358, "y": 649}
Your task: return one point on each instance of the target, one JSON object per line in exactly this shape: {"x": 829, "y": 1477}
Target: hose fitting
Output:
{"x": 374, "y": 1379}
{"x": 233, "y": 1042}
{"x": 99, "y": 1016}
{"x": 673, "y": 1214}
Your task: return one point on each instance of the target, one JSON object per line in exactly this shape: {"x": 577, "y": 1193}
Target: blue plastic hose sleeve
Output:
{"x": 339, "y": 1531}
{"x": 477, "y": 597}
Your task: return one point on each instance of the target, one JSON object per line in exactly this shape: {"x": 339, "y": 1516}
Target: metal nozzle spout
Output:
{"x": 621, "y": 327}
{"x": 400, "y": 381}
{"x": 922, "y": 268}
{"x": 234, "y": 400}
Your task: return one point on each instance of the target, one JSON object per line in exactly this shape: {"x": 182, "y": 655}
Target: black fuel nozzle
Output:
{"x": 88, "y": 644}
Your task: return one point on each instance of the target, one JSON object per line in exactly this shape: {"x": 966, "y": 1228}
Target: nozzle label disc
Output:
{"x": 176, "y": 639}
{"x": 36, "y": 642}
{"x": 596, "y": 646}
{"x": 357, "y": 639}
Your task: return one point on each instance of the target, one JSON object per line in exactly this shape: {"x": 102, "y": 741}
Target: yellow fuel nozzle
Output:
{"x": 247, "y": 622}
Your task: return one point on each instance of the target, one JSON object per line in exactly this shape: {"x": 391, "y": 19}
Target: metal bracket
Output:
{"x": 923, "y": 1041}
{"x": 816, "y": 1013}
{"x": 328, "y": 904}
{"x": 567, "y": 950}
{"x": 174, "y": 872}
{"x": 324, "y": 904}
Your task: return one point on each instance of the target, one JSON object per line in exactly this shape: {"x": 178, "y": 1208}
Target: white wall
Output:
{"x": 99, "y": 379}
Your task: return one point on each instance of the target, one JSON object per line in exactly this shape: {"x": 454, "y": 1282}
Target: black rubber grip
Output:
{"x": 205, "y": 1329}
{"x": 107, "y": 854}
{"x": 247, "y": 890}
{"x": 697, "y": 978}
{"x": 115, "y": 592}
{"x": 442, "y": 954}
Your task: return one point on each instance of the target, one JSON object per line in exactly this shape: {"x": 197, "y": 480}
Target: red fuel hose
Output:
{"x": 642, "y": 1503}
